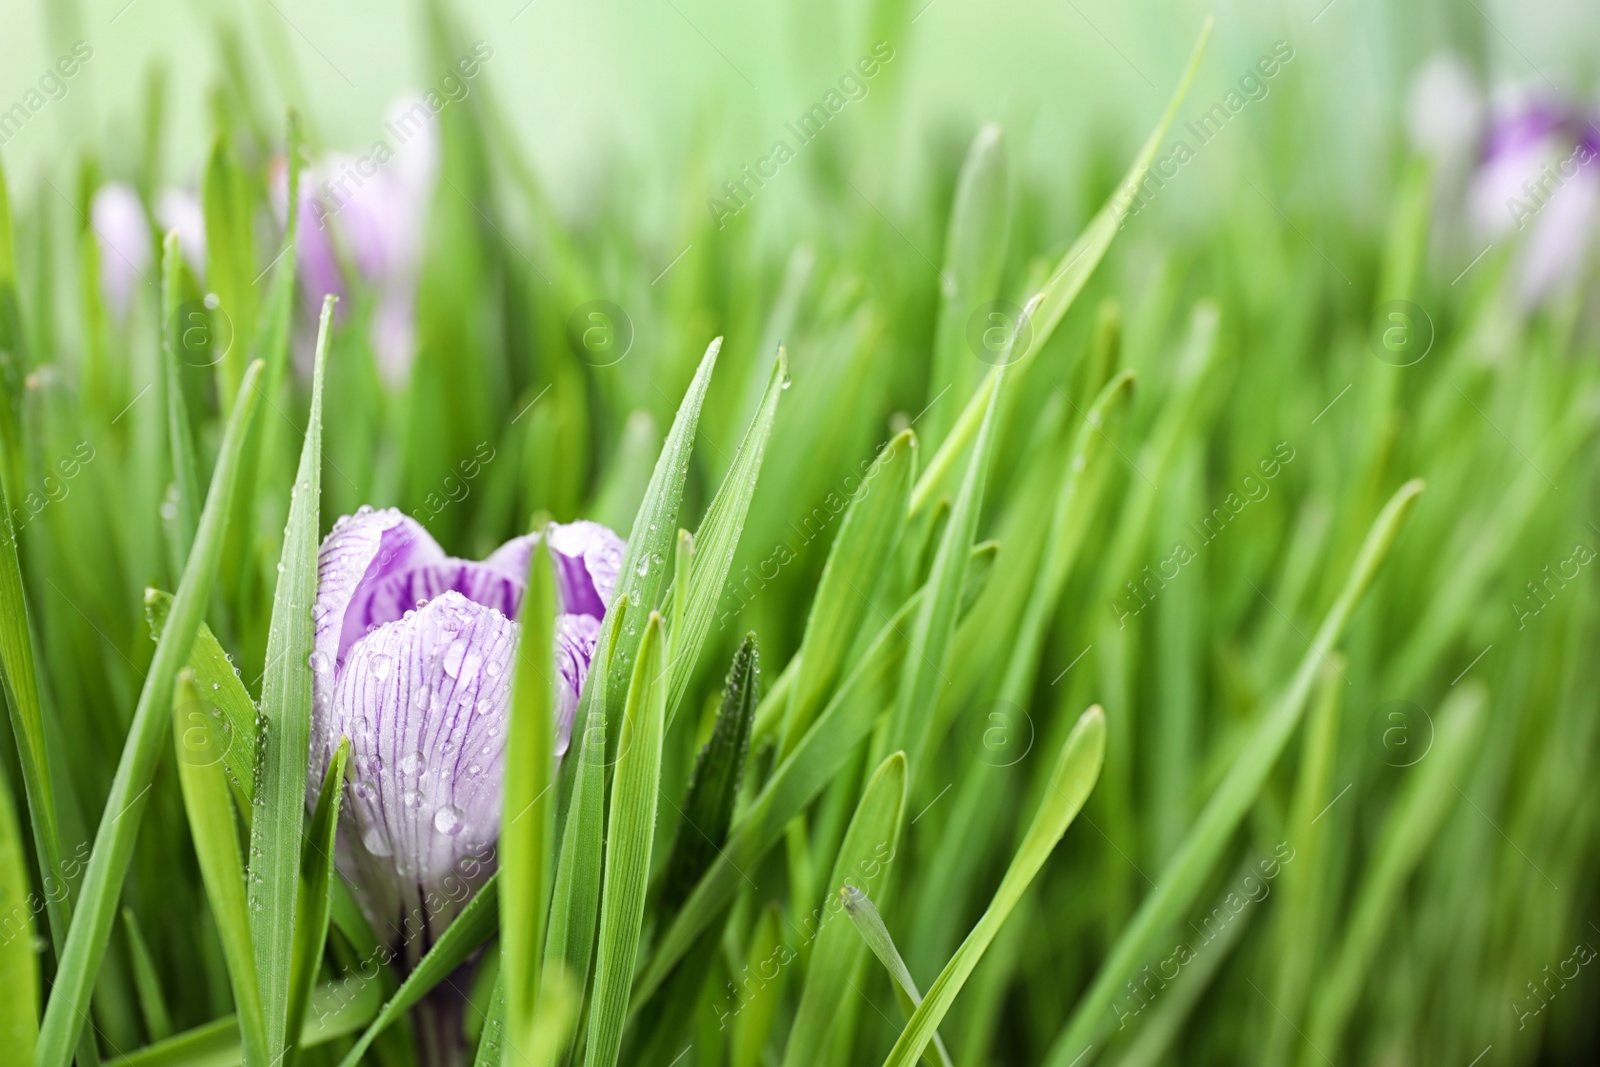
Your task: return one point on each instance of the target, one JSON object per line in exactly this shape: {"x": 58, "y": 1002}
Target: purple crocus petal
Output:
{"x": 123, "y": 233}
{"x": 411, "y": 660}
{"x": 423, "y": 702}
{"x": 1560, "y": 237}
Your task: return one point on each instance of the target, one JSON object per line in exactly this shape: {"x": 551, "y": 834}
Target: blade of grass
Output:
{"x": 17, "y": 668}
{"x": 1076, "y": 770}
{"x": 472, "y": 927}
{"x": 230, "y": 257}
{"x": 575, "y": 897}
{"x": 527, "y": 827}
{"x": 147, "y": 982}
{"x": 19, "y": 964}
{"x": 1045, "y": 310}
{"x": 315, "y": 904}
{"x": 911, "y": 720}
{"x": 277, "y": 828}
{"x": 714, "y": 785}
{"x": 1069, "y": 524}
{"x": 1300, "y": 915}
{"x": 861, "y": 866}
{"x": 200, "y": 744}
{"x": 215, "y": 678}
{"x": 175, "y": 313}
{"x": 794, "y": 784}
{"x": 870, "y": 926}
{"x": 644, "y": 563}
{"x": 113, "y": 848}
{"x": 634, "y": 796}
{"x": 1185, "y": 875}
{"x": 717, "y": 539}
{"x": 975, "y": 247}
{"x": 868, "y": 537}
{"x": 1414, "y": 818}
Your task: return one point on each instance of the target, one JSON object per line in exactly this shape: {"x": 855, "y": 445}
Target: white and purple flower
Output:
{"x": 412, "y": 661}
{"x": 1530, "y": 164}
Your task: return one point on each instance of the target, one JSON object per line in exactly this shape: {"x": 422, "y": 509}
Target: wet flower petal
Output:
{"x": 412, "y": 661}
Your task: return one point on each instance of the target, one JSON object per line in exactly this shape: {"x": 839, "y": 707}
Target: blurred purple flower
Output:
{"x": 369, "y": 213}
{"x": 123, "y": 233}
{"x": 1533, "y": 162}
{"x": 412, "y": 661}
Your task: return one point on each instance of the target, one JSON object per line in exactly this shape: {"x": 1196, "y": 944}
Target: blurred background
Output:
{"x": 1336, "y": 158}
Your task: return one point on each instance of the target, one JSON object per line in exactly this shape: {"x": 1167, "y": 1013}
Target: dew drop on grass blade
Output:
{"x": 285, "y": 726}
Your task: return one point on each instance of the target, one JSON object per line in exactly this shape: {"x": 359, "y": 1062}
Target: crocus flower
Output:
{"x": 412, "y": 661}
{"x": 123, "y": 233}
{"x": 1535, "y": 169}
{"x": 368, "y": 213}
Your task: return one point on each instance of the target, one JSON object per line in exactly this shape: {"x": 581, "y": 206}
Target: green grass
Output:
{"x": 1027, "y": 644}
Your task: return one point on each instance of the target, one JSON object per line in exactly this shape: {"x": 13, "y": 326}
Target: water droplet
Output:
{"x": 453, "y": 657}
{"x": 423, "y": 699}
{"x": 413, "y": 763}
{"x": 447, "y": 820}
{"x": 382, "y": 665}
{"x": 474, "y": 769}
{"x": 493, "y": 668}
{"x": 412, "y": 799}
{"x": 364, "y": 790}
{"x": 375, "y": 842}
{"x": 787, "y": 381}
{"x": 319, "y": 662}
{"x": 216, "y": 685}
{"x": 485, "y": 705}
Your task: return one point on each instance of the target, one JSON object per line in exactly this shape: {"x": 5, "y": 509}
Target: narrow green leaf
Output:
{"x": 280, "y": 795}
{"x": 315, "y": 904}
{"x": 575, "y": 899}
{"x": 634, "y": 794}
{"x": 200, "y": 744}
{"x": 17, "y": 668}
{"x": 644, "y": 563}
{"x": 794, "y": 784}
{"x": 113, "y": 847}
{"x": 922, "y": 676}
{"x": 718, "y": 538}
{"x": 472, "y": 927}
{"x": 1074, "y": 776}
{"x": 1045, "y": 310}
{"x": 527, "y": 827}
{"x": 1081, "y": 486}
{"x": 178, "y": 317}
{"x": 1428, "y": 793}
{"x": 974, "y": 254}
{"x": 1186, "y": 873}
{"x": 869, "y": 924}
{"x": 861, "y": 866}
{"x": 19, "y": 965}
{"x": 1299, "y": 915}
{"x": 752, "y": 1021}
{"x": 146, "y": 981}
{"x": 714, "y": 785}
{"x": 215, "y": 677}
{"x": 868, "y": 537}
{"x": 494, "y": 1025}
{"x": 230, "y": 256}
